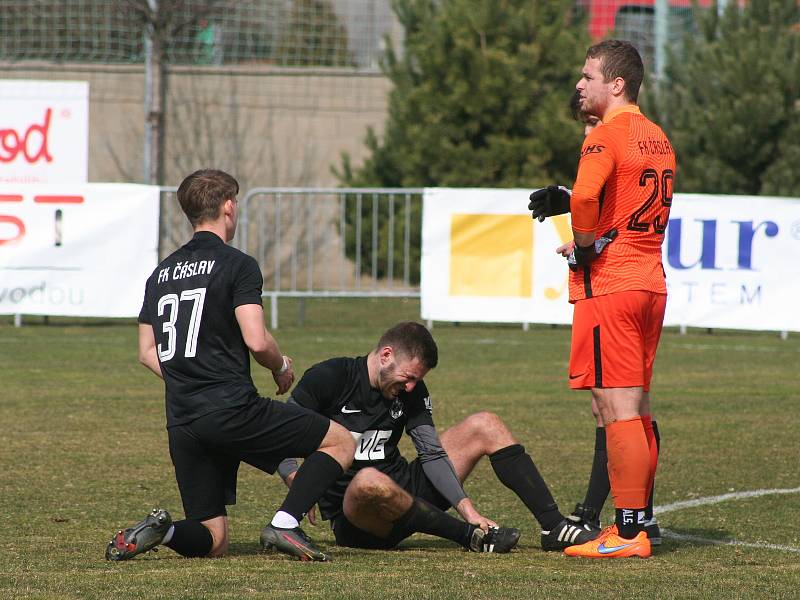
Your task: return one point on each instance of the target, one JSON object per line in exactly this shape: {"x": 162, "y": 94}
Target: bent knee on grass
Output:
{"x": 370, "y": 485}
{"x": 489, "y": 430}
{"x": 218, "y": 528}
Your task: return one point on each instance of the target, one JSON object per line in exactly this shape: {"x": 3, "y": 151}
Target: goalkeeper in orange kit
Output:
{"x": 620, "y": 207}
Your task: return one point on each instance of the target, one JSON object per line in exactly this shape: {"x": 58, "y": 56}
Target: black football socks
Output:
{"x": 315, "y": 475}
{"x": 599, "y": 485}
{"x": 516, "y": 470}
{"x": 423, "y": 517}
{"x": 191, "y": 539}
{"x": 629, "y": 521}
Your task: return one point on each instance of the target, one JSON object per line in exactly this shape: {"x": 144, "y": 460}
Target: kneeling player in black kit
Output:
{"x": 382, "y": 499}
{"x": 200, "y": 321}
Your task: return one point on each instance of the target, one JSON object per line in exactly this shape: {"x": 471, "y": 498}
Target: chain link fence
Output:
{"x": 320, "y": 243}
{"x": 283, "y": 33}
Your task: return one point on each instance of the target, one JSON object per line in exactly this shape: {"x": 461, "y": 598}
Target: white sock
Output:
{"x": 284, "y": 520}
{"x": 168, "y": 535}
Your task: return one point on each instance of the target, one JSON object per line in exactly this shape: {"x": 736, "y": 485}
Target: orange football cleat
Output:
{"x": 609, "y": 544}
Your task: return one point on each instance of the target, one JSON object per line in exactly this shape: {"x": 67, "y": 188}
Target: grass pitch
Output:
{"x": 83, "y": 452}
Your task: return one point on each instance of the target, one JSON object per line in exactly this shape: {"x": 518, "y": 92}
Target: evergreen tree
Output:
{"x": 731, "y": 101}
{"x": 313, "y": 36}
{"x": 480, "y": 99}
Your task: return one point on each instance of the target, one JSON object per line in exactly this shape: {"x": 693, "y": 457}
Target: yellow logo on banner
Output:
{"x": 491, "y": 255}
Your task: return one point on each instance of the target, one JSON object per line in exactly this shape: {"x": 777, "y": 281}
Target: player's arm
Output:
{"x": 436, "y": 464}
{"x": 247, "y": 286}
{"x": 263, "y": 346}
{"x": 440, "y": 472}
{"x": 148, "y": 353}
{"x": 597, "y": 163}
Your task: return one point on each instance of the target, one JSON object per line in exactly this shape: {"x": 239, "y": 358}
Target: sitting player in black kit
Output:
{"x": 382, "y": 499}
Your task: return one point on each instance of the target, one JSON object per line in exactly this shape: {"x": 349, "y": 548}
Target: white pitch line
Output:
{"x": 716, "y": 500}
{"x": 702, "y": 540}
{"x": 729, "y": 348}
{"x": 722, "y": 498}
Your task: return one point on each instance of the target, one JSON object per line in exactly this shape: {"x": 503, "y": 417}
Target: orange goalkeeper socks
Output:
{"x": 628, "y": 466}
{"x": 653, "y": 445}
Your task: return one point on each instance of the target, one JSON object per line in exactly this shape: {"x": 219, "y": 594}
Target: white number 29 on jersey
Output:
{"x": 171, "y": 302}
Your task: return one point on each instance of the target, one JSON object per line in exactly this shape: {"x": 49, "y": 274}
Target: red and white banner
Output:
{"x": 44, "y": 131}
{"x": 731, "y": 261}
{"x": 77, "y": 250}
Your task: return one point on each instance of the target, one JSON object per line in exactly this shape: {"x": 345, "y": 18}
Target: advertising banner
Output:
{"x": 44, "y": 131}
{"x": 77, "y": 250}
{"x": 731, "y": 261}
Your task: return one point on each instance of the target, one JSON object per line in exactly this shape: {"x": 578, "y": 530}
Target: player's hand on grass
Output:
{"x": 549, "y": 202}
{"x": 468, "y": 512}
{"x": 284, "y": 378}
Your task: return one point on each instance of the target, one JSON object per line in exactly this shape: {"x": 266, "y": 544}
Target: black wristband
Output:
{"x": 584, "y": 254}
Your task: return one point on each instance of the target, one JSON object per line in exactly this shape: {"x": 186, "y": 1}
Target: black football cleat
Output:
{"x": 568, "y": 533}
{"x": 294, "y": 542}
{"x": 497, "y": 539}
{"x": 653, "y": 532}
{"x": 144, "y": 536}
{"x": 585, "y": 514}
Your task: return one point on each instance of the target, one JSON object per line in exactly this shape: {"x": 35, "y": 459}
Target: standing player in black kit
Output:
{"x": 201, "y": 315}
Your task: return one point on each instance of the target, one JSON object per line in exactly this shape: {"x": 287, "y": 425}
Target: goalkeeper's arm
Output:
{"x": 582, "y": 255}
{"x": 549, "y": 201}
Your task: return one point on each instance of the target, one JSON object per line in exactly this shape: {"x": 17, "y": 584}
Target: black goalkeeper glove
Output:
{"x": 549, "y": 202}
{"x": 583, "y": 255}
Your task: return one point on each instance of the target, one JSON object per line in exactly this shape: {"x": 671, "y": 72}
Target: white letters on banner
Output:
{"x": 44, "y": 131}
{"x": 77, "y": 250}
{"x": 731, "y": 261}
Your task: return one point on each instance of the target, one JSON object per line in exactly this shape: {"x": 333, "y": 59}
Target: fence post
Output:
{"x": 273, "y": 311}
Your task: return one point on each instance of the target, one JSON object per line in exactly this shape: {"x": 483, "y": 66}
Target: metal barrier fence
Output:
{"x": 321, "y": 242}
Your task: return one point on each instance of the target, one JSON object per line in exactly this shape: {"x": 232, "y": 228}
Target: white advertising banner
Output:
{"x": 77, "y": 250}
{"x": 44, "y": 131}
{"x": 731, "y": 261}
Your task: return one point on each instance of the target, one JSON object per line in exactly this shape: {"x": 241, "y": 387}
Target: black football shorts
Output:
{"x": 206, "y": 452}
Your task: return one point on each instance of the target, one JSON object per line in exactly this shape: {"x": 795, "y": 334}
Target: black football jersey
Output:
{"x": 189, "y": 300}
{"x": 339, "y": 388}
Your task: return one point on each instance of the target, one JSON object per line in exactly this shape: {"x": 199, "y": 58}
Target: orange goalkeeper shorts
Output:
{"x": 614, "y": 340}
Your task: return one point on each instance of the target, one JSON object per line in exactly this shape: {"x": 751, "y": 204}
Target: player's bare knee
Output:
{"x": 219, "y": 548}
{"x": 491, "y": 430}
{"x": 370, "y": 485}
{"x": 218, "y": 528}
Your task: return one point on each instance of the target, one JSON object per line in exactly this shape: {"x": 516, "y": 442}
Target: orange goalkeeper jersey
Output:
{"x": 625, "y": 180}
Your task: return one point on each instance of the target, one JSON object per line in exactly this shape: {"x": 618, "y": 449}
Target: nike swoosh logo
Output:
{"x": 576, "y": 376}
{"x": 348, "y": 411}
{"x": 603, "y": 549}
